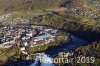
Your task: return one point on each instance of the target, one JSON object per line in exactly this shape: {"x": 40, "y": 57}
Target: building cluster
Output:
{"x": 66, "y": 54}
{"x": 11, "y": 35}
{"x": 6, "y": 19}
{"x": 15, "y": 21}
{"x": 89, "y": 10}
{"x": 34, "y": 36}
{"x": 45, "y": 36}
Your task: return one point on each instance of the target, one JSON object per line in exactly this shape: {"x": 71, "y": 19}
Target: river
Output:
{"x": 53, "y": 51}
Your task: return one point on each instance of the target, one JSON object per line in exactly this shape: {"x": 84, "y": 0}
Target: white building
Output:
{"x": 25, "y": 43}
{"x": 22, "y": 49}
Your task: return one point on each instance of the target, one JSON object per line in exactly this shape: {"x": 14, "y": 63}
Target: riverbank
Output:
{"x": 89, "y": 52}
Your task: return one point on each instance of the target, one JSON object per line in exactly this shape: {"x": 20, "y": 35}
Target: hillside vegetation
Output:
{"x": 9, "y": 5}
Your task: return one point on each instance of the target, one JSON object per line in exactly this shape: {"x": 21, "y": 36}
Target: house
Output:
{"x": 22, "y": 48}
{"x": 25, "y": 43}
{"x": 29, "y": 34}
{"x": 54, "y": 31}
{"x": 65, "y": 54}
{"x": 47, "y": 30}
{"x": 25, "y": 37}
{"x": 44, "y": 37}
{"x": 35, "y": 42}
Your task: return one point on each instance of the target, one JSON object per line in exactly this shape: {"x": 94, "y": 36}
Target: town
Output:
{"x": 27, "y": 36}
